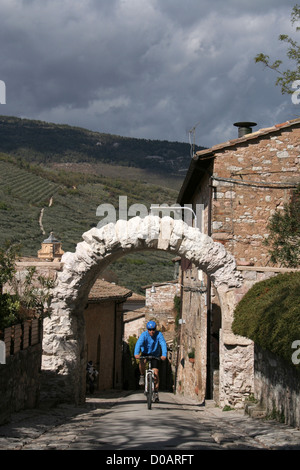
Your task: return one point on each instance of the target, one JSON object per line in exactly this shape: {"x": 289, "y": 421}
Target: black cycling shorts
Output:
{"x": 154, "y": 362}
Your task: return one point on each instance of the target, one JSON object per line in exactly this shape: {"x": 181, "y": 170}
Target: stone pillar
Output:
{"x": 63, "y": 367}
{"x": 236, "y": 379}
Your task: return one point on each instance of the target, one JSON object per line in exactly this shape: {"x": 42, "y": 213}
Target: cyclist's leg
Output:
{"x": 142, "y": 365}
{"x": 155, "y": 368}
{"x": 142, "y": 368}
{"x": 156, "y": 379}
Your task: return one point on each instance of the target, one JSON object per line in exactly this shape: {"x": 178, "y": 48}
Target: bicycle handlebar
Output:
{"x": 150, "y": 357}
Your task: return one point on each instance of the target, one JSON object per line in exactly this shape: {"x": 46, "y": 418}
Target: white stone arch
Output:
{"x": 63, "y": 364}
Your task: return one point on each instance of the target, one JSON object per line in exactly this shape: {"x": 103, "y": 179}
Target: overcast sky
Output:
{"x": 150, "y": 69}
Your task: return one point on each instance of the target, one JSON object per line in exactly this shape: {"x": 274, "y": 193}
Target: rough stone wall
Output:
{"x": 250, "y": 181}
{"x": 20, "y": 382}
{"x": 163, "y": 299}
{"x": 43, "y": 268}
{"x": 233, "y": 371}
{"x": 277, "y": 387}
{"x": 191, "y": 375}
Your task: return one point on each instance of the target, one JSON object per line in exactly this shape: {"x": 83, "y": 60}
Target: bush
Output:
{"x": 28, "y": 297}
{"x": 269, "y": 314}
{"x": 131, "y": 343}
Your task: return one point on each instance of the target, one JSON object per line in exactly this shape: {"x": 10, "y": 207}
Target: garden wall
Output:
{"x": 277, "y": 387}
{"x": 20, "y": 375}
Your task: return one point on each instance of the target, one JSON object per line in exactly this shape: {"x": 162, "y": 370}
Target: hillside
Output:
{"x": 47, "y": 187}
{"x": 43, "y": 142}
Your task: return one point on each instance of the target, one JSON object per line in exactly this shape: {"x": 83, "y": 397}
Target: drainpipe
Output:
{"x": 115, "y": 342}
{"x": 180, "y": 334}
{"x": 208, "y": 298}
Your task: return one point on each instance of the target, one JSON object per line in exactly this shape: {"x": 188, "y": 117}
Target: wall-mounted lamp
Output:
{"x": 153, "y": 290}
{"x": 202, "y": 288}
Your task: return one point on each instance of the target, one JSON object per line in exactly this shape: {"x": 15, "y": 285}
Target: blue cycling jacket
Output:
{"x": 152, "y": 346}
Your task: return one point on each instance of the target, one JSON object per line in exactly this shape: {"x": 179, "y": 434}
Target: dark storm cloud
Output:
{"x": 144, "y": 68}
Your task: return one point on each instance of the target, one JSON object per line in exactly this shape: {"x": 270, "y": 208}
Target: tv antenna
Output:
{"x": 192, "y": 133}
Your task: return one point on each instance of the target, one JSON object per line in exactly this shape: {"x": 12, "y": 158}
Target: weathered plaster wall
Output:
{"x": 103, "y": 336}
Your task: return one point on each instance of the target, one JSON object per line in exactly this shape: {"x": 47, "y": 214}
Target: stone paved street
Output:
{"x": 118, "y": 421}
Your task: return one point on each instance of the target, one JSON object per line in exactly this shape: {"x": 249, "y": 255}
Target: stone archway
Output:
{"x": 63, "y": 366}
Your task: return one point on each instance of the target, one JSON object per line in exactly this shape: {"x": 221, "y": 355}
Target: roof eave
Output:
{"x": 199, "y": 158}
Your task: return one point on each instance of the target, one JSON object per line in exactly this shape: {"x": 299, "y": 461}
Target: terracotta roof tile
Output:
{"x": 248, "y": 137}
{"x": 135, "y": 314}
{"x": 137, "y": 297}
{"x": 103, "y": 290}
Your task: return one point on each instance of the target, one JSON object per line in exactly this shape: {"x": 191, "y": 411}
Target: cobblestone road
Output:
{"x": 118, "y": 421}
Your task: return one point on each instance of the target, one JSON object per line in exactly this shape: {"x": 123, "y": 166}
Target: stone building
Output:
{"x": 161, "y": 309}
{"x": 51, "y": 249}
{"x": 104, "y": 332}
{"x": 158, "y": 306}
{"x": 233, "y": 188}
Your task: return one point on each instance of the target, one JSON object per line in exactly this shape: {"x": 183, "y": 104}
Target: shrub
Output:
{"x": 269, "y": 314}
{"x": 29, "y": 295}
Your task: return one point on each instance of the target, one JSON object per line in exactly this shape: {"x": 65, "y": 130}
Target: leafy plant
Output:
{"x": 177, "y": 307}
{"x": 7, "y": 263}
{"x": 191, "y": 354}
{"x": 33, "y": 292}
{"x": 27, "y": 296}
{"x": 288, "y": 76}
{"x": 131, "y": 344}
{"x": 269, "y": 314}
{"x": 284, "y": 238}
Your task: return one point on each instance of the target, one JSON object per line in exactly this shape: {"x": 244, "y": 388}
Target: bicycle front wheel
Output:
{"x": 150, "y": 391}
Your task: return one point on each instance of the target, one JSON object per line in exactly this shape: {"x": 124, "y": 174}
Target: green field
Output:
{"x": 70, "y": 210}
{"x": 53, "y": 178}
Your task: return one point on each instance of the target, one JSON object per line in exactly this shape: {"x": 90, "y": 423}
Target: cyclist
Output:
{"x": 151, "y": 343}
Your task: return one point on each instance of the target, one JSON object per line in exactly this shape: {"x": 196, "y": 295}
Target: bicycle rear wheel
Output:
{"x": 150, "y": 391}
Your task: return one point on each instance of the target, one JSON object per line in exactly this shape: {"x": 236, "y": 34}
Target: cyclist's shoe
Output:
{"x": 155, "y": 397}
{"x": 142, "y": 380}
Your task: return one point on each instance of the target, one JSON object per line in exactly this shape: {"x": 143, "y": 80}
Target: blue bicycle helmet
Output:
{"x": 151, "y": 325}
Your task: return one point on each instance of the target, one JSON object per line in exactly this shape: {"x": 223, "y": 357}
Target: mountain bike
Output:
{"x": 149, "y": 381}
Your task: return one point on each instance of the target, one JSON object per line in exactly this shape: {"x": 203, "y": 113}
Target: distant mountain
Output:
{"x": 45, "y": 142}
{"x": 52, "y": 178}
